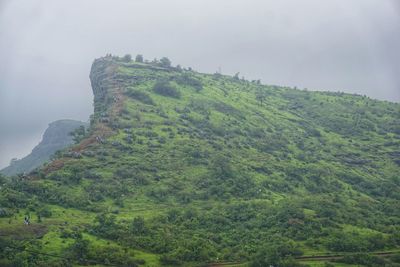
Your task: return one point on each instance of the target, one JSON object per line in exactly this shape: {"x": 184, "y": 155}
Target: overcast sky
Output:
{"x": 47, "y": 47}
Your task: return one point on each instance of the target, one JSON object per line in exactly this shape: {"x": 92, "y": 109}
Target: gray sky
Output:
{"x": 47, "y": 47}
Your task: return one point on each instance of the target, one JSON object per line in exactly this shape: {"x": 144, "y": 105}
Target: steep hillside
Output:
{"x": 181, "y": 167}
{"x": 56, "y": 137}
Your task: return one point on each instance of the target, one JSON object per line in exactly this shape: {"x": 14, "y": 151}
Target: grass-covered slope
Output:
{"x": 186, "y": 168}
{"x": 56, "y": 137}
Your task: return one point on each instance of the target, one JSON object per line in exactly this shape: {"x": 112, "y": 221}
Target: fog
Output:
{"x": 47, "y": 47}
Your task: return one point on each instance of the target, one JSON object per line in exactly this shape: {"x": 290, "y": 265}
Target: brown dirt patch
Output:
{"x": 20, "y": 232}
{"x": 54, "y": 165}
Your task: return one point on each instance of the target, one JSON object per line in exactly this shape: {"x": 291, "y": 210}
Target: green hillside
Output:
{"x": 192, "y": 169}
{"x": 56, "y": 137}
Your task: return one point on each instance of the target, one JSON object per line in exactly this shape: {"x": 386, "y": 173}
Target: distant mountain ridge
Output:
{"x": 56, "y": 137}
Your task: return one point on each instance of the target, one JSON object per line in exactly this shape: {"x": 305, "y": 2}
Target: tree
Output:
{"x": 106, "y": 226}
{"x": 79, "y": 250}
{"x": 261, "y": 96}
{"x": 165, "y": 62}
{"x": 138, "y": 226}
{"x": 78, "y": 134}
{"x": 127, "y": 58}
{"x": 139, "y": 58}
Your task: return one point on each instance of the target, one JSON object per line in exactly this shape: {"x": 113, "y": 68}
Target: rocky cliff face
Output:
{"x": 56, "y": 137}
{"x": 98, "y": 77}
{"x": 102, "y": 80}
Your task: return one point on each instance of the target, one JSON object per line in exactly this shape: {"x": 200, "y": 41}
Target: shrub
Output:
{"x": 364, "y": 259}
{"x": 186, "y": 79}
{"x": 278, "y": 254}
{"x": 170, "y": 260}
{"x": 4, "y": 212}
{"x": 78, "y": 134}
{"x": 355, "y": 242}
{"x": 138, "y": 226}
{"x": 165, "y": 89}
{"x": 140, "y": 96}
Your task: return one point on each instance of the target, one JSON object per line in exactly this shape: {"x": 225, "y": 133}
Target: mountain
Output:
{"x": 56, "y": 137}
{"x": 192, "y": 169}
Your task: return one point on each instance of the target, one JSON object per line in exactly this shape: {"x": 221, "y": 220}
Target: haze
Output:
{"x": 47, "y": 47}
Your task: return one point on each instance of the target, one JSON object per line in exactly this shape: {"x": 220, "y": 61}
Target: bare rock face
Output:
{"x": 97, "y": 75}
{"x": 101, "y": 79}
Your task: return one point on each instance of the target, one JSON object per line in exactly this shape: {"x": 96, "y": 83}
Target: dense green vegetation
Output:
{"x": 184, "y": 168}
